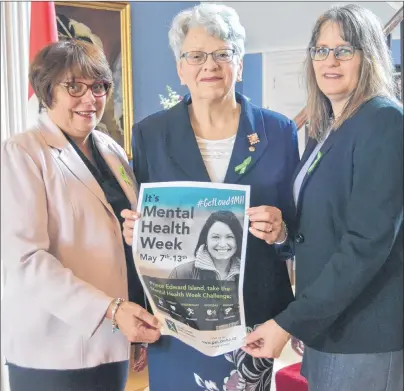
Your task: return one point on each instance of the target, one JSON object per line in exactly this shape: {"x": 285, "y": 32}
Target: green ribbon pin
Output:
{"x": 314, "y": 164}
{"x": 124, "y": 176}
{"x": 243, "y": 166}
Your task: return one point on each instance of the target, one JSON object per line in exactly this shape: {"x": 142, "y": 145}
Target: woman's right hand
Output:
{"x": 135, "y": 322}
{"x": 130, "y": 217}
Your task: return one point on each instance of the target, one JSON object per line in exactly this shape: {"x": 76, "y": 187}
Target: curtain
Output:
{"x": 15, "y": 20}
{"x": 14, "y": 24}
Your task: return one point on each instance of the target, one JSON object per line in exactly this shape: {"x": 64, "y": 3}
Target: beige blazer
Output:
{"x": 62, "y": 251}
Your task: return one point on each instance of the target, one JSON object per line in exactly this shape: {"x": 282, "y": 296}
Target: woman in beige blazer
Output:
{"x": 67, "y": 322}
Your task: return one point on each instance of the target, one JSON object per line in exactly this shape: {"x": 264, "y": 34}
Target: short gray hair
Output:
{"x": 220, "y": 21}
{"x": 362, "y": 29}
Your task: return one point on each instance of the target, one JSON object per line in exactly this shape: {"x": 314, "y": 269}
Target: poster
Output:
{"x": 189, "y": 250}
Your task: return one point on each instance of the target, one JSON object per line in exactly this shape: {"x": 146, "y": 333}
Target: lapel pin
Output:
{"x": 124, "y": 176}
{"x": 253, "y": 139}
{"x": 314, "y": 164}
{"x": 241, "y": 168}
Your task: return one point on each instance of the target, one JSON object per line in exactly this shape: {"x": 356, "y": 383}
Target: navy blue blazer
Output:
{"x": 165, "y": 149}
{"x": 349, "y": 241}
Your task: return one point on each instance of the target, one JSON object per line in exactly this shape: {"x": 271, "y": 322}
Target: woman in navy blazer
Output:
{"x": 204, "y": 138}
{"x": 348, "y": 192}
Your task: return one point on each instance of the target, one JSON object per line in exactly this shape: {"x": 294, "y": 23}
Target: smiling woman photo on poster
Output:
{"x": 218, "y": 251}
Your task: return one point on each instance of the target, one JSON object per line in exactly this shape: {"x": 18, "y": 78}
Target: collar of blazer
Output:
{"x": 311, "y": 144}
{"x": 183, "y": 148}
{"x": 111, "y": 152}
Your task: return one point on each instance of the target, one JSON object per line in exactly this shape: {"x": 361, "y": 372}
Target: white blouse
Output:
{"x": 216, "y": 156}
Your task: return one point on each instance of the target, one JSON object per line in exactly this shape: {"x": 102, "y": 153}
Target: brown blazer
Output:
{"x": 62, "y": 252}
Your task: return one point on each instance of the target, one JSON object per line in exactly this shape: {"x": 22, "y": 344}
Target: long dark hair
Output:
{"x": 225, "y": 217}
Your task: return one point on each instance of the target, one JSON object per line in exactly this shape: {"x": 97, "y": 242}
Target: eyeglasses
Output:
{"x": 199, "y": 58}
{"x": 77, "y": 89}
{"x": 341, "y": 53}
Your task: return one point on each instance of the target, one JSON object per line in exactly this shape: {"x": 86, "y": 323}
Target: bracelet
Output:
{"x": 285, "y": 228}
{"x": 117, "y": 303}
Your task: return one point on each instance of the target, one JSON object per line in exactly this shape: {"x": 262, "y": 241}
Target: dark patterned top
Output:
{"x": 118, "y": 201}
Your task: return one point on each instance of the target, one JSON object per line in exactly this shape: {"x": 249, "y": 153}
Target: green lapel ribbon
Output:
{"x": 124, "y": 176}
{"x": 241, "y": 168}
{"x": 314, "y": 164}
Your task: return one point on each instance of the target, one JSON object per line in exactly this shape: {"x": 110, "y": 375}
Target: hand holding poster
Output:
{"x": 189, "y": 251}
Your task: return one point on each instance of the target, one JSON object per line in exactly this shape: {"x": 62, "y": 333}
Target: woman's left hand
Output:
{"x": 267, "y": 340}
{"x": 266, "y": 223}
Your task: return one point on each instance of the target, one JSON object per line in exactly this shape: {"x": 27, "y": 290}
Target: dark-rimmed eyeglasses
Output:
{"x": 341, "y": 53}
{"x": 199, "y": 58}
{"x": 77, "y": 89}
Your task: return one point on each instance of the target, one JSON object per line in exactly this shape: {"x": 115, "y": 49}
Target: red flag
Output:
{"x": 43, "y": 31}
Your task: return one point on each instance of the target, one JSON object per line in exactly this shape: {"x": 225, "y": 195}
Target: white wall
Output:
{"x": 283, "y": 84}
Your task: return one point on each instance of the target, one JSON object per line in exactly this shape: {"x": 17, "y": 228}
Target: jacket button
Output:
{"x": 299, "y": 238}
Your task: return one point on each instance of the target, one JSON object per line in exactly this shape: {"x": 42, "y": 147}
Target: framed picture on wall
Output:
{"x": 106, "y": 24}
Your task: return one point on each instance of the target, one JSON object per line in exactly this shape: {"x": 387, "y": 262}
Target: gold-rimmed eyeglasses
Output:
{"x": 199, "y": 57}
{"x": 77, "y": 89}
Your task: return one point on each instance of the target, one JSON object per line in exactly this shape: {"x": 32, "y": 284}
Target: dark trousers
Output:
{"x": 106, "y": 377}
